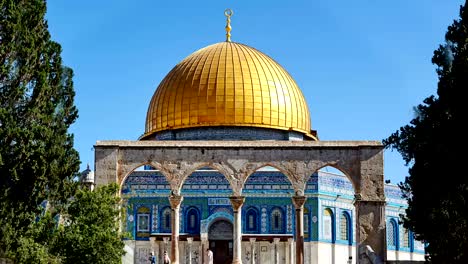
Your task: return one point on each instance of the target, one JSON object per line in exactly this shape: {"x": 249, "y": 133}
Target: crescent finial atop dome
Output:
{"x": 228, "y": 13}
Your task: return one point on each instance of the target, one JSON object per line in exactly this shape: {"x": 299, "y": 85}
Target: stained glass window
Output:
{"x": 406, "y": 238}
{"x": 193, "y": 221}
{"x": 252, "y": 220}
{"x": 276, "y": 220}
{"x": 344, "y": 227}
{"x": 166, "y": 220}
{"x": 391, "y": 233}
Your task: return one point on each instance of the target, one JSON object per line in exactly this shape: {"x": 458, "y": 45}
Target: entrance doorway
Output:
{"x": 220, "y": 237}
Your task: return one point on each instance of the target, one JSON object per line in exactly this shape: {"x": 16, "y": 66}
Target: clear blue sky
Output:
{"x": 362, "y": 65}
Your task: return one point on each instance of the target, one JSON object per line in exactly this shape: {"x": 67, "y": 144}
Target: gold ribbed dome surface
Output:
{"x": 228, "y": 84}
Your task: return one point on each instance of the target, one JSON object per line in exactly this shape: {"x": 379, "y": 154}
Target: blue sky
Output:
{"x": 362, "y": 65}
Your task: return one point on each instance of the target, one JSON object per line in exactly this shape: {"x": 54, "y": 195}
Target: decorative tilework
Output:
{"x": 150, "y": 188}
{"x": 228, "y": 133}
{"x": 264, "y": 220}
{"x": 219, "y": 201}
{"x": 155, "y": 225}
{"x": 289, "y": 220}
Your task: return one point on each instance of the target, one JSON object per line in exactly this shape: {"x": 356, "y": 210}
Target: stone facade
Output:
{"x": 237, "y": 161}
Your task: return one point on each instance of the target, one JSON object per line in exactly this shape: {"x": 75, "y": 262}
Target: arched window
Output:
{"x": 143, "y": 219}
{"x": 345, "y": 229}
{"x": 276, "y": 222}
{"x": 328, "y": 225}
{"x": 306, "y": 222}
{"x": 166, "y": 220}
{"x": 392, "y": 237}
{"x": 251, "y": 220}
{"x": 193, "y": 221}
{"x": 406, "y": 238}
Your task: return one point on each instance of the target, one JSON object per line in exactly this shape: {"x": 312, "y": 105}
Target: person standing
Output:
{"x": 152, "y": 258}
{"x": 209, "y": 256}
{"x": 167, "y": 260}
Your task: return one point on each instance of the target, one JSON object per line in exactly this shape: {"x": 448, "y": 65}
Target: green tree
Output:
{"x": 91, "y": 230}
{"x": 433, "y": 145}
{"x": 37, "y": 158}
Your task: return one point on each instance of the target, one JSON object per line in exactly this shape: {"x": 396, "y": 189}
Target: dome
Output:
{"x": 87, "y": 176}
{"x": 228, "y": 84}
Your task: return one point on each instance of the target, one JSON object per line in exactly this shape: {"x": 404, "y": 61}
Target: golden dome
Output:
{"x": 228, "y": 84}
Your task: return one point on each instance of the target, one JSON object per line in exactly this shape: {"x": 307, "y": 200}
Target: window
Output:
{"x": 392, "y": 233}
{"x": 327, "y": 224}
{"x": 166, "y": 220}
{"x": 251, "y": 217}
{"x": 193, "y": 222}
{"x": 306, "y": 222}
{"x": 143, "y": 219}
{"x": 277, "y": 220}
{"x": 406, "y": 238}
{"x": 344, "y": 226}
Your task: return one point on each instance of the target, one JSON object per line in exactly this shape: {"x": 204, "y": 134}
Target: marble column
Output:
{"x": 252, "y": 250}
{"x": 175, "y": 201}
{"x": 153, "y": 247}
{"x": 204, "y": 246}
{"x": 299, "y": 202}
{"x": 189, "y": 246}
{"x": 276, "y": 241}
{"x": 237, "y": 202}
{"x": 291, "y": 250}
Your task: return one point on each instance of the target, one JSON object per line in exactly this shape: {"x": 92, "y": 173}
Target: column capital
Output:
{"x": 237, "y": 202}
{"x": 252, "y": 240}
{"x": 299, "y": 201}
{"x": 189, "y": 240}
{"x": 290, "y": 240}
{"x": 166, "y": 239}
{"x": 175, "y": 201}
{"x": 152, "y": 239}
{"x": 204, "y": 237}
{"x": 276, "y": 240}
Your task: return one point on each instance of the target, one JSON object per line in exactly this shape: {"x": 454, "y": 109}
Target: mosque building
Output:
{"x": 229, "y": 162}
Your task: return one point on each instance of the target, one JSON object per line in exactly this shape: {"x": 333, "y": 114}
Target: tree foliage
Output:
{"x": 37, "y": 160}
{"x": 433, "y": 145}
{"x": 91, "y": 233}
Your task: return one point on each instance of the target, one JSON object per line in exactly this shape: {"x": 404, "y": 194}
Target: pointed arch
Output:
{"x": 220, "y": 168}
{"x": 258, "y": 167}
{"x": 339, "y": 168}
{"x": 134, "y": 167}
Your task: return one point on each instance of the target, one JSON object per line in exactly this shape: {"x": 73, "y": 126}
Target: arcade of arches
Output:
{"x": 362, "y": 162}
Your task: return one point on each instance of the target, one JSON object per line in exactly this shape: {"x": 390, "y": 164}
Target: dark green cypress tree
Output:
{"x": 37, "y": 158}
{"x": 434, "y": 145}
